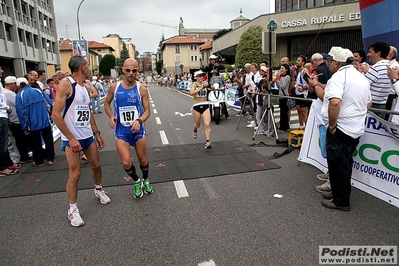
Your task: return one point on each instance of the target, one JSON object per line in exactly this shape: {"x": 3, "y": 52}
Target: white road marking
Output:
{"x": 163, "y": 137}
{"x": 207, "y": 263}
{"x": 155, "y": 111}
{"x": 158, "y": 120}
{"x": 153, "y": 105}
{"x": 181, "y": 189}
{"x": 209, "y": 189}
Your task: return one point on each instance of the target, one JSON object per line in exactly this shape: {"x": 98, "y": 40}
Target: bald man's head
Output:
{"x": 131, "y": 63}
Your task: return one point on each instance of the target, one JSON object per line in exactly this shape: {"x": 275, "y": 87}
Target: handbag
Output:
{"x": 290, "y": 102}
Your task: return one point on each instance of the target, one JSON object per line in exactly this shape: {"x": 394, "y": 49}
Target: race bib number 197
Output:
{"x": 127, "y": 114}
{"x": 82, "y": 116}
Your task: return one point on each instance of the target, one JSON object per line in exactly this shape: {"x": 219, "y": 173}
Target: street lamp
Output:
{"x": 77, "y": 17}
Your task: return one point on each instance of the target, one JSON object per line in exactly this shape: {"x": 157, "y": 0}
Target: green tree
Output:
{"x": 249, "y": 48}
{"x": 220, "y": 33}
{"x": 136, "y": 53}
{"x": 124, "y": 54}
{"x": 106, "y": 64}
{"x": 158, "y": 66}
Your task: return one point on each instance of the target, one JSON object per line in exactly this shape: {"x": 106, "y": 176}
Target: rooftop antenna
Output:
{"x": 66, "y": 31}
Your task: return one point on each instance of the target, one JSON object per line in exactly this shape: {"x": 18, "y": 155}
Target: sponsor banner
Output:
{"x": 185, "y": 85}
{"x": 102, "y": 93}
{"x": 231, "y": 94}
{"x": 376, "y": 158}
{"x": 80, "y": 47}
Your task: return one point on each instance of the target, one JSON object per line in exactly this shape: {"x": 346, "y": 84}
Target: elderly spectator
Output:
{"x": 34, "y": 108}
{"x": 7, "y": 166}
{"x": 346, "y": 101}
{"x": 21, "y": 140}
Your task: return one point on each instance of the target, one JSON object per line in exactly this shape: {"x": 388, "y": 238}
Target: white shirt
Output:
{"x": 353, "y": 89}
{"x": 300, "y": 81}
{"x": 3, "y": 103}
{"x": 10, "y": 95}
{"x": 40, "y": 85}
{"x": 395, "y": 118}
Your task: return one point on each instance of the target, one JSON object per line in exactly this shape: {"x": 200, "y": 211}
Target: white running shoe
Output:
{"x": 102, "y": 196}
{"x": 252, "y": 124}
{"x": 75, "y": 218}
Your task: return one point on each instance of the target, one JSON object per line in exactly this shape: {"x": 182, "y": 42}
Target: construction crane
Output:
{"x": 160, "y": 24}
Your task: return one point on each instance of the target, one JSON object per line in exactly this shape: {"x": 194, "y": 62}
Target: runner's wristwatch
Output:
{"x": 139, "y": 120}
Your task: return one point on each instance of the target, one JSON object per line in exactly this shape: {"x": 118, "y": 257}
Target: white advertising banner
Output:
{"x": 231, "y": 94}
{"x": 376, "y": 158}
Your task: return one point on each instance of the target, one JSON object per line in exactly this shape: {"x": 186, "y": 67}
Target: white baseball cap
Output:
{"x": 199, "y": 72}
{"x": 263, "y": 68}
{"x": 10, "y": 79}
{"x": 21, "y": 81}
{"x": 340, "y": 54}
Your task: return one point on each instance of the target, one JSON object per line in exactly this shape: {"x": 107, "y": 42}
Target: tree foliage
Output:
{"x": 124, "y": 54}
{"x": 220, "y": 33}
{"x": 106, "y": 64}
{"x": 158, "y": 66}
{"x": 136, "y": 53}
{"x": 249, "y": 48}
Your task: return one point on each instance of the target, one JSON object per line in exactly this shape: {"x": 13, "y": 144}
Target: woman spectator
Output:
{"x": 360, "y": 58}
{"x": 283, "y": 81}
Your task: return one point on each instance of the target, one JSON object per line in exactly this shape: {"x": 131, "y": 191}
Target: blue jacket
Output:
{"x": 34, "y": 109}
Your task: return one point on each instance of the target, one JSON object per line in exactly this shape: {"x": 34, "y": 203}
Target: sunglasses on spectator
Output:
{"x": 133, "y": 70}
{"x": 200, "y": 75}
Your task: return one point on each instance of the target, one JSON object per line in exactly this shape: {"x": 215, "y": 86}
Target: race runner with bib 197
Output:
{"x": 128, "y": 107}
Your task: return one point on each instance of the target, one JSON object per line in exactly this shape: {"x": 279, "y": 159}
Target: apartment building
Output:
{"x": 28, "y": 37}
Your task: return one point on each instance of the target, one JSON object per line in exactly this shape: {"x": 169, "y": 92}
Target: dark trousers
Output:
{"x": 5, "y": 159}
{"x": 21, "y": 140}
{"x": 36, "y": 139}
{"x": 340, "y": 148}
{"x": 284, "y": 123}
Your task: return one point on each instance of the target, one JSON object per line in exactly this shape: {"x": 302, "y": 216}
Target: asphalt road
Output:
{"x": 224, "y": 220}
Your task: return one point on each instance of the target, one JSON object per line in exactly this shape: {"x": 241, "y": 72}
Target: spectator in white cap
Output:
{"x": 6, "y": 164}
{"x": 96, "y": 101}
{"x": 22, "y": 82}
{"x": 21, "y": 140}
{"x": 347, "y": 98}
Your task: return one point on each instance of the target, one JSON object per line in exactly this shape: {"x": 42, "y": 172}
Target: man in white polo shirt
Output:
{"x": 347, "y": 98}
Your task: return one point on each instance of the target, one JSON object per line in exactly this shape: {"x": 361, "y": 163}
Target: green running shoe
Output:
{"x": 138, "y": 189}
{"x": 148, "y": 188}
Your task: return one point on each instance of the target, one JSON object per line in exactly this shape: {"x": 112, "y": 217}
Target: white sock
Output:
{"x": 99, "y": 187}
{"x": 73, "y": 206}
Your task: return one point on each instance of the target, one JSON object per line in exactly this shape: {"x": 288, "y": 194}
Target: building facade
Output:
{"x": 28, "y": 36}
{"x": 180, "y": 54}
{"x": 116, "y": 42}
{"x": 303, "y": 32}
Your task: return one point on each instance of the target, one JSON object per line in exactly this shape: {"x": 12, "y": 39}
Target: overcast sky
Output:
{"x": 98, "y": 18}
